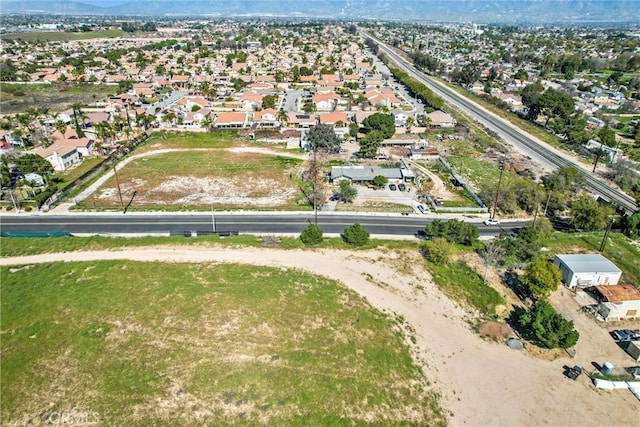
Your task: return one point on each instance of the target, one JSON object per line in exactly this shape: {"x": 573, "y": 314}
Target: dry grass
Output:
{"x": 201, "y": 178}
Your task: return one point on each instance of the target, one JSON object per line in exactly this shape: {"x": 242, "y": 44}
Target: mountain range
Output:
{"x": 481, "y": 11}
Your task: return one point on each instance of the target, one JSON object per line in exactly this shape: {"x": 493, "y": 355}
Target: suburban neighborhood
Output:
{"x": 357, "y": 221}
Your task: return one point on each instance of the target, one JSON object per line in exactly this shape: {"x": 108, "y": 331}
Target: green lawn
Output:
{"x": 141, "y": 344}
{"x": 162, "y": 140}
{"x": 461, "y": 283}
{"x": 17, "y": 246}
{"x": 480, "y": 173}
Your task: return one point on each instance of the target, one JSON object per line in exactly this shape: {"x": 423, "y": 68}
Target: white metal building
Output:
{"x": 584, "y": 270}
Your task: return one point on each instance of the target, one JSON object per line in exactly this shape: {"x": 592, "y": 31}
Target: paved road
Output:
{"x": 289, "y": 101}
{"x": 163, "y": 103}
{"x": 538, "y": 150}
{"x": 246, "y": 223}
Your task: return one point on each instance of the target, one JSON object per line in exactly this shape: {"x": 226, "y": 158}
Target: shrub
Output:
{"x": 311, "y": 235}
{"x": 455, "y": 231}
{"x": 549, "y": 327}
{"x": 355, "y": 235}
{"x": 438, "y": 251}
{"x": 541, "y": 277}
{"x": 380, "y": 181}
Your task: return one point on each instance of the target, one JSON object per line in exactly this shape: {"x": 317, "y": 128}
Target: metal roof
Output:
{"x": 364, "y": 173}
{"x": 619, "y": 293}
{"x": 588, "y": 263}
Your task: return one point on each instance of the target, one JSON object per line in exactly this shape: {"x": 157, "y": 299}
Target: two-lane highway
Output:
{"x": 198, "y": 223}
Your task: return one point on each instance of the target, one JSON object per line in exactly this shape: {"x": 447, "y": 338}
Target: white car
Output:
{"x": 423, "y": 210}
{"x": 491, "y": 221}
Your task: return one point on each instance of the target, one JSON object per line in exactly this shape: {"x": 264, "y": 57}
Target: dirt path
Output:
{"x": 439, "y": 189}
{"x": 482, "y": 383}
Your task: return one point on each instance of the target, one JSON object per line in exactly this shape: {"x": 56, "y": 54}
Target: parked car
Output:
{"x": 625, "y": 335}
{"x": 422, "y": 209}
{"x": 572, "y": 373}
{"x": 402, "y": 187}
{"x": 491, "y": 221}
{"x": 392, "y": 187}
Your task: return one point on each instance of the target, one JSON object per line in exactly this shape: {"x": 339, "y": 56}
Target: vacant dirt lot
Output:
{"x": 231, "y": 177}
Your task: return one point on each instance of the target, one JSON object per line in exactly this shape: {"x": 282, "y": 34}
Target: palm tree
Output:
{"x": 127, "y": 132}
{"x": 60, "y": 126}
{"x": 170, "y": 117}
{"x": 146, "y": 120}
{"x": 283, "y": 117}
{"x": 103, "y": 130}
{"x": 76, "y": 107}
{"x": 206, "y": 122}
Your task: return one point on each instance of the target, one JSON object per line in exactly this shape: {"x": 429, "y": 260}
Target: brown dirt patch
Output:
{"x": 495, "y": 330}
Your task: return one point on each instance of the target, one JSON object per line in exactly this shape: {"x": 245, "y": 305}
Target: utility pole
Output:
{"x": 495, "y": 203}
{"x": 15, "y": 205}
{"x": 213, "y": 219}
{"x": 535, "y": 216}
{"x": 115, "y": 174}
{"x": 595, "y": 164}
{"x": 315, "y": 178}
{"x": 547, "y": 204}
{"x": 606, "y": 235}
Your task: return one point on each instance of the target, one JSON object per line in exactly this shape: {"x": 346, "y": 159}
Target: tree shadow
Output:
{"x": 512, "y": 281}
{"x": 514, "y": 322}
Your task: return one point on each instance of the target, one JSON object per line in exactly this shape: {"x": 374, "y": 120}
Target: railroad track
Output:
{"x": 503, "y": 128}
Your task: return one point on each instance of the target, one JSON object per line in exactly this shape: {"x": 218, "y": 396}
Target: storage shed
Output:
{"x": 584, "y": 270}
{"x": 619, "y": 302}
{"x": 633, "y": 348}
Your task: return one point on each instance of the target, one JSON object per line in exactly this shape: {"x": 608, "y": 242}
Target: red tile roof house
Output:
{"x": 334, "y": 118}
{"x": 302, "y": 120}
{"x": 326, "y": 101}
{"x": 84, "y": 145}
{"x": 60, "y": 156}
{"x": 441, "y": 119}
{"x": 65, "y": 152}
{"x": 308, "y": 80}
{"x": 385, "y": 98}
{"x": 190, "y": 101}
{"x": 266, "y": 118}
{"x": 359, "y": 116}
{"x": 251, "y": 101}
{"x": 230, "y": 120}
{"x": 195, "y": 118}
{"x": 95, "y": 117}
{"x": 180, "y": 80}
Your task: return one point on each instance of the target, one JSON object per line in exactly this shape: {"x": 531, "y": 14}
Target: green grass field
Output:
{"x": 168, "y": 140}
{"x": 19, "y": 246}
{"x": 139, "y": 344}
{"x": 36, "y": 36}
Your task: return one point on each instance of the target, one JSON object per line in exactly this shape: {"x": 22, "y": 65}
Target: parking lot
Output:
{"x": 384, "y": 195}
